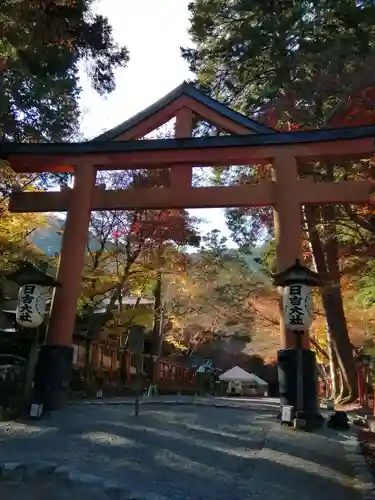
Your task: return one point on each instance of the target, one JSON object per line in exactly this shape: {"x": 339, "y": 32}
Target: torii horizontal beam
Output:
{"x": 228, "y": 150}
{"x": 263, "y": 194}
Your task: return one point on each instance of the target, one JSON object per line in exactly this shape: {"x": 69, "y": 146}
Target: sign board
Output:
{"x": 31, "y": 306}
{"x": 136, "y": 339}
{"x": 36, "y": 411}
{"x": 286, "y": 413}
{"x": 298, "y": 310}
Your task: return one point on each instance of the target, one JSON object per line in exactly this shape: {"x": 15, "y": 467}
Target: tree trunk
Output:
{"x": 336, "y": 320}
{"x": 332, "y": 362}
{"x": 342, "y": 345}
{"x": 332, "y": 296}
{"x": 325, "y": 256}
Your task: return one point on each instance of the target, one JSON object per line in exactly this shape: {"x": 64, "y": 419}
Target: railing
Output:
{"x": 106, "y": 361}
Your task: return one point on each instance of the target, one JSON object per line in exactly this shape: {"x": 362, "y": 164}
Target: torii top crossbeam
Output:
{"x": 335, "y": 144}
{"x": 355, "y": 142}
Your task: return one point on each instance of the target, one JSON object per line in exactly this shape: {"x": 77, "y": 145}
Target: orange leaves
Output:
{"x": 366, "y": 210}
{"x": 359, "y": 109}
{"x": 306, "y": 250}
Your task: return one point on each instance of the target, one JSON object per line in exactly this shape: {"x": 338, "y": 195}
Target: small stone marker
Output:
{"x": 286, "y": 414}
{"x": 330, "y": 404}
{"x": 36, "y": 410}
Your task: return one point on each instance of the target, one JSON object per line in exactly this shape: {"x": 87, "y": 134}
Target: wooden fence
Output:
{"x": 108, "y": 362}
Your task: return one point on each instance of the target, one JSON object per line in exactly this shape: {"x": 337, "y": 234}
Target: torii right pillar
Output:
{"x": 288, "y": 228}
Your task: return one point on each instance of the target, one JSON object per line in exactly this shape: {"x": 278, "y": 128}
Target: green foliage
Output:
{"x": 214, "y": 243}
{"x": 253, "y": 52}
{"x": 302, "y": 64}
{"x": 365, "y": 285}
{"x": 268, "y": 258}
{"x": 42, "y": 44}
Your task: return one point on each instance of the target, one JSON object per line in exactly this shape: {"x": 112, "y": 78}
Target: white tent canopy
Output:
{"x": 237, "y": 373}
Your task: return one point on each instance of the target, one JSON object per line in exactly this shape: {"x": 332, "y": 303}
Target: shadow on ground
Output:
{"x": 187, "y": 452}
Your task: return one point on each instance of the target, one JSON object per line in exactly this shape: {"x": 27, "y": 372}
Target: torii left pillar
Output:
{"x": 53, "y": 370}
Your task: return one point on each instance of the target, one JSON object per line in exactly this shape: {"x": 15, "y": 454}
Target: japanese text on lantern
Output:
{"x": 295, "y": 309}
{"x": 298, "y": 313}
{"x": 294, "y": 313}
{"x": 26, "y": 301}
{"x": 31, "y": 306}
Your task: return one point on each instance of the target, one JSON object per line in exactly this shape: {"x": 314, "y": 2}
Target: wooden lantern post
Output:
{"x": 298, "y": 382}
{"x": 31, "y": 309}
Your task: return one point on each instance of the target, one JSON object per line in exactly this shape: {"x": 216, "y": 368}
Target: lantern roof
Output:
{"x": 297, "y": 273}
{"x": 28, "y": 273}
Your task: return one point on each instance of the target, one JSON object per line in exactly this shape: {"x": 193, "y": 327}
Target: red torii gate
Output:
{"x": 252, "y": 143}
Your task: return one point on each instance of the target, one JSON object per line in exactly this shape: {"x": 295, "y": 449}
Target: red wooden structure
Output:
{"x": 111, "y": 364}
{"x": 288, "y": 153}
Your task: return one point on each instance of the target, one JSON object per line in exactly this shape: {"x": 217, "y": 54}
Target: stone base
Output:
{"x": 371, "y": 423}
{"x": 52, "y": 376}
{"x": 287, "y": 371}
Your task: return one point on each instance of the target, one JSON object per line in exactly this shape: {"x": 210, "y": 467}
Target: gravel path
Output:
{"x": 181, "y": 453}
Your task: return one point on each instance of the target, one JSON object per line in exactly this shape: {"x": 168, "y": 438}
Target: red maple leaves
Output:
{"x": 163, "y": 225}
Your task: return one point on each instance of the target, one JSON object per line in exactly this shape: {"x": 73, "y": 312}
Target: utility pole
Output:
{"x": 136, "y": 346}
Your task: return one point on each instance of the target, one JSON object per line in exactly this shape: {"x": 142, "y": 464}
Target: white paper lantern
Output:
{"x": 298, "y": 310}
{"x": 31, "y": 306}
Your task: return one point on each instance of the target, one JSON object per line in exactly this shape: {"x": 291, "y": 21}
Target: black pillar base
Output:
{"x": 52, "y": 376}
{"x": 287, "y": 371}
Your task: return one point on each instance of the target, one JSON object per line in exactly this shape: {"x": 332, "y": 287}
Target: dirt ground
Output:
{"x": 367, "y": 442}
{"x": 365, "y": 436}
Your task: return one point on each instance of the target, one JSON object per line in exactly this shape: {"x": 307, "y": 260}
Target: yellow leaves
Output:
{"x": 175, "y": 321}
{"x": 176, "y": 342}
{"x": 5, "y": 166}
{"x": 15, "y": 232}
{"x": 137, "y": 291}
{"x": 181, "y": 278}
{"x": 19, "y": 226}
{"x": 121, "y": 320}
